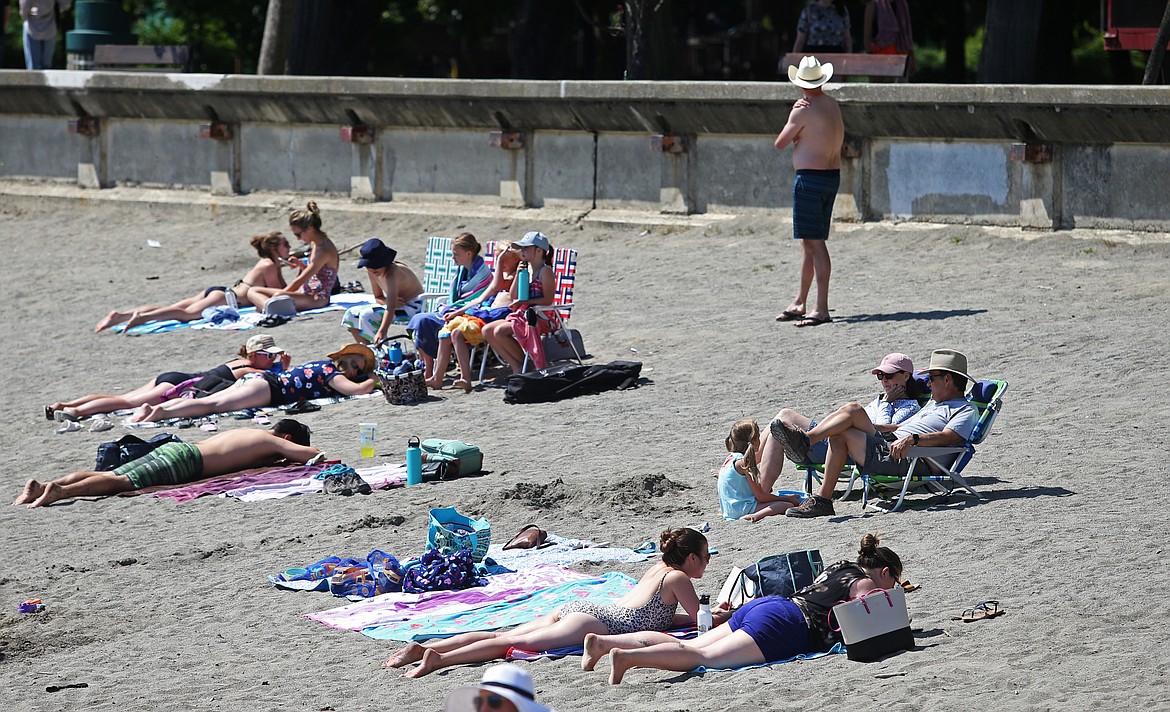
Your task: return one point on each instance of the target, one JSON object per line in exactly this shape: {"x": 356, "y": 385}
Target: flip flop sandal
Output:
{"x": 981, "y": 611}
{"x": 49, "y": 412}
{"x": 69, "y": 426}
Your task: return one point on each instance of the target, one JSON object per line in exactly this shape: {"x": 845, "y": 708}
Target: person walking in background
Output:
{"x": 887, "y": 29}
{"x": 40, "y": 31}
{"x": 4, "y": 12}
{"x": 823, "y": 28}
{"x": 816, "y": 131}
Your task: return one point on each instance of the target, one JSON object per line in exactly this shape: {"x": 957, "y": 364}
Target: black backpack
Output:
{"x": 128, "y": 448}
{"x": 572, "y": 380}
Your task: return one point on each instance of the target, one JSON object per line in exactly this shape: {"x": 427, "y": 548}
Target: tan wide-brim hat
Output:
{"x": 365, "y": 352}
{"x": 811, "y": 73}
{"x": 948, "y": 360}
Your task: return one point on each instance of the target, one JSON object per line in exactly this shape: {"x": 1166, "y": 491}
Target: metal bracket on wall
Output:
{"x": 218, "y": 130}
{"x": 668, "y": 143}
{"x": 85, "y": 126}
{"x": 507, "y": 140}
{"x": 362, "y": 135}
{"x": 1034, "y": 152}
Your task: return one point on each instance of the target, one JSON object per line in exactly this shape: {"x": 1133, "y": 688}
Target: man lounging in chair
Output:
{"x": 948, "y": 419}
{"x": 177, "y": 463}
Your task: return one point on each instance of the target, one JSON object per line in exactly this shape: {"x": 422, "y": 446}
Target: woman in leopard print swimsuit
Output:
{"x": 650, "y": 605}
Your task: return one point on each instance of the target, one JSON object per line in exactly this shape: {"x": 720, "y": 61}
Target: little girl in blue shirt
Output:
{"x": 741, "y": 496}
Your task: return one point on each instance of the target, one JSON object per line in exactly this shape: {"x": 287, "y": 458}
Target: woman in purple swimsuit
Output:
{"x": 650, "y": 605}
{"x": 314, "y": 285}
{"x": 765, "y": 630}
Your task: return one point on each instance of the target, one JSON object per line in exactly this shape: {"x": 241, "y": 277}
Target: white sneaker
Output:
{"x": 69, "y": 426}
{"x": 100, "y": 424}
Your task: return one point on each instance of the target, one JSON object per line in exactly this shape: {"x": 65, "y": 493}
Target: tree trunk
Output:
{"x": 1154, "y": 64}
{"x": 278, "y": 26}
{"x": 1009, "y": 43}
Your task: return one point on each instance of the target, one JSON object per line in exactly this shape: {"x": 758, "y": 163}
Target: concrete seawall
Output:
{"x": 1034, "y": 156}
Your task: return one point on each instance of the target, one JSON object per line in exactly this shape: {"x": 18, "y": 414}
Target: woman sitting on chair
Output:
{"x": 516, "y": 334}
{"x": 273, "y": 250}
{"x": 347, "y": 373}
{"x": 764, "y": 630}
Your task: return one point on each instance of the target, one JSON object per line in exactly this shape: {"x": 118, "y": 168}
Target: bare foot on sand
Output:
{"x": 595, "y": 649}
{"x": 465, "y": 385}
{"x": 435, "y": 384}
{"x": 618, "y": 658}
{"x": 412, "y": 653}
{"x": 51, "y": 493}
{"x": 143, "y": 414}
{"x": 32, "y": 490}
{"x": 132, "y": 322}
{"x": 112, "y": 318}
{"x": 431, "y": 661}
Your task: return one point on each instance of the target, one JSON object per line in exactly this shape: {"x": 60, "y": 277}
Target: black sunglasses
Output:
{"x": 936, "y": 376}
{"x": 883, "y": 376}
{"x": 493, "y": 701}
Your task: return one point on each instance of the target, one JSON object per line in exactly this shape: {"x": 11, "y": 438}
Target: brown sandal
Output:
{"x": 530, "y": 537}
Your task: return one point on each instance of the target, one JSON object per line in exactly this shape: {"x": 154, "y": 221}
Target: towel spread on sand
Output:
{"x": 607, "y": 589}
{"x": 222, "y": 483}
{"x": 562, "y": 552}
{"x": 249, "y": 317}
{"x": 391, "y": 607}
{"x": 377, "y": 477}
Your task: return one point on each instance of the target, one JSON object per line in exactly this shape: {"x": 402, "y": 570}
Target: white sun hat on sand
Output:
{"x": 811, "y": 73}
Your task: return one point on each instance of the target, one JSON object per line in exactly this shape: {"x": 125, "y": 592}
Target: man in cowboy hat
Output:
{"x": 816, "y": 132}
{"x": 948, "y": 419}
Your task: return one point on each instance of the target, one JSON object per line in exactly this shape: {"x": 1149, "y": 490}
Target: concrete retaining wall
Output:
{"x": 1044, "y": 157}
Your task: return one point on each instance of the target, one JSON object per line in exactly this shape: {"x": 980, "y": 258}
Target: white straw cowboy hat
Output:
{"x": 811, "y": 73}
{"x": 948, "y": 360}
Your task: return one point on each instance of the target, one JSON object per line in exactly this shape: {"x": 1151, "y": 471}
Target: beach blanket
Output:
{"x": 249, "y": 317}
{"x": 607, "y": 589}
{"x": 563, "y": 552}
{"x": 237, "y": 414}
{"x": 392, "y": 607}
{"x": 377, "y": 477}
{"x": 221, "y": 483}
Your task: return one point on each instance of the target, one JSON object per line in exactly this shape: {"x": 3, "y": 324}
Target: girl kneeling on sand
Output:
{"x": 765, "y": 630}
{"x": 741, "y": 496}
{"x": 650, "y": 605}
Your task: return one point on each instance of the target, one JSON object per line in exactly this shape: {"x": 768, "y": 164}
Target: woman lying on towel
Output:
{"x": 313, "y": 287}
{"x": 347, "y": 373}
{"x": 259, "y": 354}
{"x": 764, "y": 630}
{"x": 650, "y": 605}
{"x": 273, "y": 250}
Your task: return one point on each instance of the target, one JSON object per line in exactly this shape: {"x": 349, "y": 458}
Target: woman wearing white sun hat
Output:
{"x": 504, "y": 688}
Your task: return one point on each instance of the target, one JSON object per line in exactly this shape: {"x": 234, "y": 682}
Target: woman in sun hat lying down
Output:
{"x": 260, "y": 353}
{"x": 346, "y": 373}
{"x": 273, "y": 250}
{"x": 764, "y": 630}
{"x": 650, "y": 605}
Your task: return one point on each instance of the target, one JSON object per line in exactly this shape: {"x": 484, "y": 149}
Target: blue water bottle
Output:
{"x": 522, "y": 285}
{"x": 413, "y": 461}
{"x": 394, "y": 353}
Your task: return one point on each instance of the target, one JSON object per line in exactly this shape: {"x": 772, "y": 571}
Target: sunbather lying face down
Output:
{"x": 178, "y": 463}
{"x": 259, "y": 353}
{"x": 650, "y": 605}
{"x": 764, "y": 630}
{"x": 348, "y": 373}
{"x": 273, "y": 250}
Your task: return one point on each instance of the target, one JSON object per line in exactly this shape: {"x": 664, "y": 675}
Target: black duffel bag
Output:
{"x": 572, "y": 380}
{"x": 128, "y": 448}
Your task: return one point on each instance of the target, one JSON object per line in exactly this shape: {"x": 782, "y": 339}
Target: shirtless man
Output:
{"x": 177, "y": 463}
{"x": 816, "y": 132}
{"x": 387, "y": 277}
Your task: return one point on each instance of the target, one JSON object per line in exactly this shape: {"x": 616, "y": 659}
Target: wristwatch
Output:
{"x": 915, "y": 436}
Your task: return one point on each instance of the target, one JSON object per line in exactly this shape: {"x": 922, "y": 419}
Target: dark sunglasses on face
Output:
{"x": 936, "y": 376}
{"x": 493, "y": 701}
{"x": 882, "y": 375}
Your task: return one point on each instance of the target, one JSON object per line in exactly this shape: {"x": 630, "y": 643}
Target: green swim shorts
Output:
{"x": 169, "y": 464}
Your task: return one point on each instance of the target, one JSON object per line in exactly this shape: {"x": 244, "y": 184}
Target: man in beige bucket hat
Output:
{"x": 947, "y": 419}
{"x": 816, "y": 132}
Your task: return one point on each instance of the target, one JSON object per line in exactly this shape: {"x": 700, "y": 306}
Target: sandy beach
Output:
{"x": 157, "y": 605}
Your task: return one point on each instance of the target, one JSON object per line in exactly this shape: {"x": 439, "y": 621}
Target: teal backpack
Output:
{"x": 457, "y": 458}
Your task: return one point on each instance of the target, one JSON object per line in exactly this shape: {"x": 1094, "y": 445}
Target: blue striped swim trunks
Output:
{"x": 813, "y": 194}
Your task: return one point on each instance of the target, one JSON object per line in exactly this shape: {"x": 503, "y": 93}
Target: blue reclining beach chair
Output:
{"x": 926, "y": 463}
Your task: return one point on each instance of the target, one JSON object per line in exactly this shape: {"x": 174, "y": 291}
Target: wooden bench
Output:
{"x": 853, "y": 65}
{"x": 141, "y": 58}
